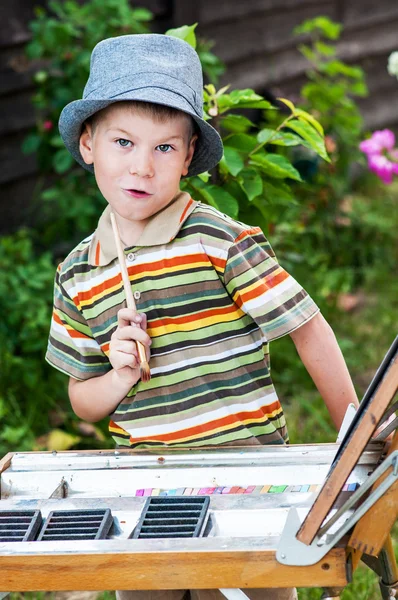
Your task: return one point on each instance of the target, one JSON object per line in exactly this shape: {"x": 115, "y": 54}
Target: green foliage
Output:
{"x": 333, "y": 236}
{"x": 252, "y": 173}
{"x": 27, "y": 383}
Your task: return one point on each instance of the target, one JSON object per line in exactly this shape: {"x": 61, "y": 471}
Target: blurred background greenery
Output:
{"x": 330, "y": 221}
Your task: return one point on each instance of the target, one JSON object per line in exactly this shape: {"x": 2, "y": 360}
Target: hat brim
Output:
{"x": 208, "y": 149}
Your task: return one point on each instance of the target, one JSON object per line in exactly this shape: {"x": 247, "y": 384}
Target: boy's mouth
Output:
{"x": 137, "y": 193}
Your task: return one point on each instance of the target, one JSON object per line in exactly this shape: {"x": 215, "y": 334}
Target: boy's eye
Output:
{"x": 123, "y": 143}
{"x": 164, "y": 148}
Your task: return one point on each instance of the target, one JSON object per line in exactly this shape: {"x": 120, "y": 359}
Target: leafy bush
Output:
{"x": 329, "y": 222}
{"x": 28, "y": 386}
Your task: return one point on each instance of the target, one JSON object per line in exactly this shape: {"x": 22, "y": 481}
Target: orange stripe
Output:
{"x": 170, "y": 262}
{"x": 252, "y": 231}
{"x": 201, "y": 429}
{"x": 115, "y": 426}
{"x": 192, "y": 318}
{"x": 264, "y": 286}
{"x": 99, "y": 288}
{"x": 97, "y": 254}
{"x": 71, "y": 332}
{"x": 133, "y": 271}
{"x": 184, "y": 212}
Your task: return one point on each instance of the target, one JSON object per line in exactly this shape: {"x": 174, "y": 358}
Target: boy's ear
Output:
{"x": 190, "y": 153}
{"x": 86, "y": 144}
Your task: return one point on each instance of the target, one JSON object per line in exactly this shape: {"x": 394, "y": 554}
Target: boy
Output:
{"x": 210, "y": 295}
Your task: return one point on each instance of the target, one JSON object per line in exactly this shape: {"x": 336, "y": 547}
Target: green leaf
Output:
{"x": 284, "y": 138}
{"x": 325, "y": 49}
{"x": 236, "y": 123}
{"x": 305, "y": 116}
{"x": 233, "y": 160}
{"x": 280, "y": 138}
{"x": 266, "y": 134}
{"x": 326, "y": 26}
{"x": 62, "y": 161}
{"x": 243, "y": 99}
{"x": 359, "y": 88}
{"x": 223, "y": 200}
{"x": 308, "y": 133}
{"x": 31, "y": 143}
{"x": 275, "y": 165}
{"x": 288, "y": 103}
{"x": 186, "y": 33}
{"x": 251, "y": 182}
{"x": 57, "y": 142}
{"x": 142, "y": 14}
{"x": 241, "y": 141}
{"x": 204, "y": 176}
{"x": 278, "y": 193}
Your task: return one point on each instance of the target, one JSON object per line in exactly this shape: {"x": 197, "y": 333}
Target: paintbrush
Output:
{"x": 144, "y": 367}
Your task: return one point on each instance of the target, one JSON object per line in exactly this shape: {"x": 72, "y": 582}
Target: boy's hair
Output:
{"x": 158, "y": 112}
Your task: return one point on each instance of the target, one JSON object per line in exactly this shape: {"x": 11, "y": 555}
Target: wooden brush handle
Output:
{"x": 126, "y": 281}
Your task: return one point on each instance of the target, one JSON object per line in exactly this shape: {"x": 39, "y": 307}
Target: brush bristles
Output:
{"x": 145, "y": 372}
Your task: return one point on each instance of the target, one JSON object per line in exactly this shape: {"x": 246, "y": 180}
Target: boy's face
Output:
{"x": 138, "y": 160}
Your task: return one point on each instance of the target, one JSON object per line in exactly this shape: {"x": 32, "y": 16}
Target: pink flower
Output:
{"x": 47, "y": 125}
{"x": 381, "y": 140}
{"x": 384, "y": 168}
{"x": 381, "y": 154}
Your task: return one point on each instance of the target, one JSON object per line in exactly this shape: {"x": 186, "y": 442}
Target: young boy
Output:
{"x": 210, "y": 294}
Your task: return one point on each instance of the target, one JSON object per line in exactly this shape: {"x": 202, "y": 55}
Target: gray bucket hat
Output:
{"x": 152, "y": 68}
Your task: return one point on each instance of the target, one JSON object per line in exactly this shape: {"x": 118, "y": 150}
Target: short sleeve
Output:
{"x": 263, "y": 289}
{"x": 72, "y": 347}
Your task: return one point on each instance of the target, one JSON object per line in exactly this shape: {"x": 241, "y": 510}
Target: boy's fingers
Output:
{"x": 134, "y": 333}
{"x": 128, "y": 347}
{"x": 143, "y": 323}
{"x": 125, "y": 316}
{"x": 127, "y": 360}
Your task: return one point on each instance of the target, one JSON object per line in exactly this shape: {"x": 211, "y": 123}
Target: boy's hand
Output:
{"x": 123, "y": 353}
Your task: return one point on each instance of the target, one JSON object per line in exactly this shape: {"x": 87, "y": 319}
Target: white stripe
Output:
{"x": 78, "y": 342}
{"x": 87, "y": 284}
{"x": 158, "y": 428}
{"x": 209, "y": 358}
{"x": 269, "y": 299}
{"x": 146, "y": 258}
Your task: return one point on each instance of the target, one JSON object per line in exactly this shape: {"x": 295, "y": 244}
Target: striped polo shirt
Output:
{"x": 214, "y": 296}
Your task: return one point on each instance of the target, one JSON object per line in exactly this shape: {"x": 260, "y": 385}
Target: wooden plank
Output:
{"x": 384, "y": 114}
{"x": 16, "y": 71}
{"x": 374, "y": 39}
{"x": 14, "y": 163}
{"x": 16, "y": 212}
{"x": 165, "y": 570}
{"x": 371, "y": 532}
{"x": 17, "y": 112}
{"x": 14, "y": 17}
{"x": 6, "y": 461}
{"x": 350, "y": 456}
{"x": 212, "y": 12}
{"x": 255, "y": 34}
{"x": 359, "y": 13}
{"x": 185, "y": 13}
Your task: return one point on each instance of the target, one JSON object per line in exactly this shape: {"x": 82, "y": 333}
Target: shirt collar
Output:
{"x": 160, "y": 229}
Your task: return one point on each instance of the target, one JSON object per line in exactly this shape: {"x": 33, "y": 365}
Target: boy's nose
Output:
{"x": 142, "y": 165}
